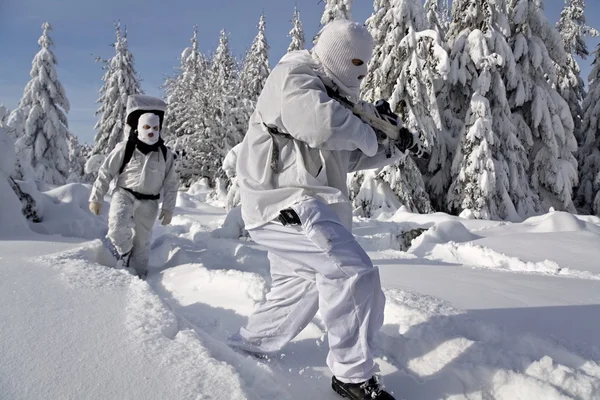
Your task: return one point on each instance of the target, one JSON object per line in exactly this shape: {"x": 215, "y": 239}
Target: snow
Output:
{"x": 475, "y": 309}
{"x": 65, "y": 212}
{"x": 93, "y": 164}
{"x": 11, "y": 219}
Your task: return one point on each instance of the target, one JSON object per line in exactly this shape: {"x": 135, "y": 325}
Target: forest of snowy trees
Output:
{"x": 491, "y": 86}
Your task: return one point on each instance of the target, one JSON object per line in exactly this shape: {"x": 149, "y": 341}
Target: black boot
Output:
{"x": 369, "y": 390}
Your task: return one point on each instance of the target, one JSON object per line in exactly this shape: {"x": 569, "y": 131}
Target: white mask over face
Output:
{"x": 148, "y": 128}
{"x": 344, "y": 49}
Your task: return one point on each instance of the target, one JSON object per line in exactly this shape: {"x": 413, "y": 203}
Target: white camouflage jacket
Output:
{"x": 324, "y": 142}
{"x": 144, "y": 173}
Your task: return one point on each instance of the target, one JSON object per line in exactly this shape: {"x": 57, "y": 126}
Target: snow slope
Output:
{"x": 475, "y": 310}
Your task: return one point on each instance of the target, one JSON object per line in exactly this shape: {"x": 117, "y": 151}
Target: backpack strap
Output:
{"x": 129, "y": 149}
{"x": 164, "y": 150}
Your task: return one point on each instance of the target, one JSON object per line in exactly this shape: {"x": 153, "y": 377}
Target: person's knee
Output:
{"x": 348, "y": 259}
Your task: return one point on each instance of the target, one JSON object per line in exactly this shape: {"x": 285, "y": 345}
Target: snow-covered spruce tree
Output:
{"x": 425, "y": 66}
{"x": 588, "y": 192}
{"x": 445, "y": 12}
{"x": 297, "y": 33}
{"x": 255, "y": 70}
{"x": 15, "y": 129}
{"x": 43, "y": 145}
{"x": 573, "y": 30}
{"x": 15, "y": 123}
{"x": 474, "y": 187}
{"x": 437, "y": 169}
{"x": 78, "y": 155}
{"x": 543, "y": 119}
{"x": 224, "y": 77}
{"x": 186, "y": 92}
{"x": 408, "y": 60}
{"x": 374, "y": 195}
{"x": 481, "y": 63}
{"x": 120, "y": 81}
{"x": 187, "y": 116}
{"x": 10, "y": 206}
{"x": 366, "y": 203}
{"x": 336, "y": 9}
{"x": 226, "y": 128}
{"x": 8, "y": 160}
{"x": 436, "y": 18}
{"x": 4, "y": 113}
{"x": 389, "y": 25}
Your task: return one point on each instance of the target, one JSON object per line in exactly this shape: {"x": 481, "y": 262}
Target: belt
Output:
{"x": 141, "y": 196}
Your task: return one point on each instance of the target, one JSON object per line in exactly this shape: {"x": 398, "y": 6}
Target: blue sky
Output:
{"x": 158, "y": 31}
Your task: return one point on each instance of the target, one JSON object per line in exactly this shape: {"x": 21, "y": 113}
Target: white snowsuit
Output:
{"x": 130, "y": 221}
{"x": 318, "y": 265}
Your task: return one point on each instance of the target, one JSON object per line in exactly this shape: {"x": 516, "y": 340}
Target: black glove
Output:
{"x": 405, "y": 137}
{"x": 385, "y": 112}
{"x": 405, "y": 140}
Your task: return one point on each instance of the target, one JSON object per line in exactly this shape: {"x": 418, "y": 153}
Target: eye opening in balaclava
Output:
{"x": 134, "y": 116}
{"x": 155, "y": 127}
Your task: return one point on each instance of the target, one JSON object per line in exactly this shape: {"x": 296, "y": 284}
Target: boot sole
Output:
{"x": 340, "y": 391}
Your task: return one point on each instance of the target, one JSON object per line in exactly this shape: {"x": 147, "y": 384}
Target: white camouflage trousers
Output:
{"x": 130, "y": 223}
{"x": 319, "y": 266}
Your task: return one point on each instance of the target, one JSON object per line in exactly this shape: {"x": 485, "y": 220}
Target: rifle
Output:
{"x": 384, "y": 128}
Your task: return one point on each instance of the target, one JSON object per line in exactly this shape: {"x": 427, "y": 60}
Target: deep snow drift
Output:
{"x": 475, "y": 310}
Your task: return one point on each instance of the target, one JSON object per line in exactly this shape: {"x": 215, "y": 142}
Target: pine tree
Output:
{"x": 224, "y": 76}
{"x": 490, "y": 167}
{"x": 15, "y": 129}
{"x": 187, "y": 116}
{"x": 78, "y": 155}
{"x": 43, "y": 145}
{"x": 15, "y": 123}
{"x": 542, "y": 116}
{"x": 474, "y": 187}
{"x": 4, "y": 113}
{"x": 255, "y": 69}
{"x": 389, "y": 25}
{"x": 228, "y": 114}
{"x": 588, "y": 192}
{"x": 336, "y": 9}
{"x": 187, "y": 92}
{"x": 573, "y": 29}
{"x": 446, "y": 13}
{"x": 120, "y": 81}
{"x": 297, "y": 33}
{"x": 408, "y": 61}
{"x": 8, "y": 158}
{"x": 11, "y": 201}
{"x": 436, "y": 18}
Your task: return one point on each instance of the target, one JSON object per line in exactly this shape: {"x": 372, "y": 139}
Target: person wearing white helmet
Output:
{"x": 143, "y": 168}
{"x": 292, "y": 168}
